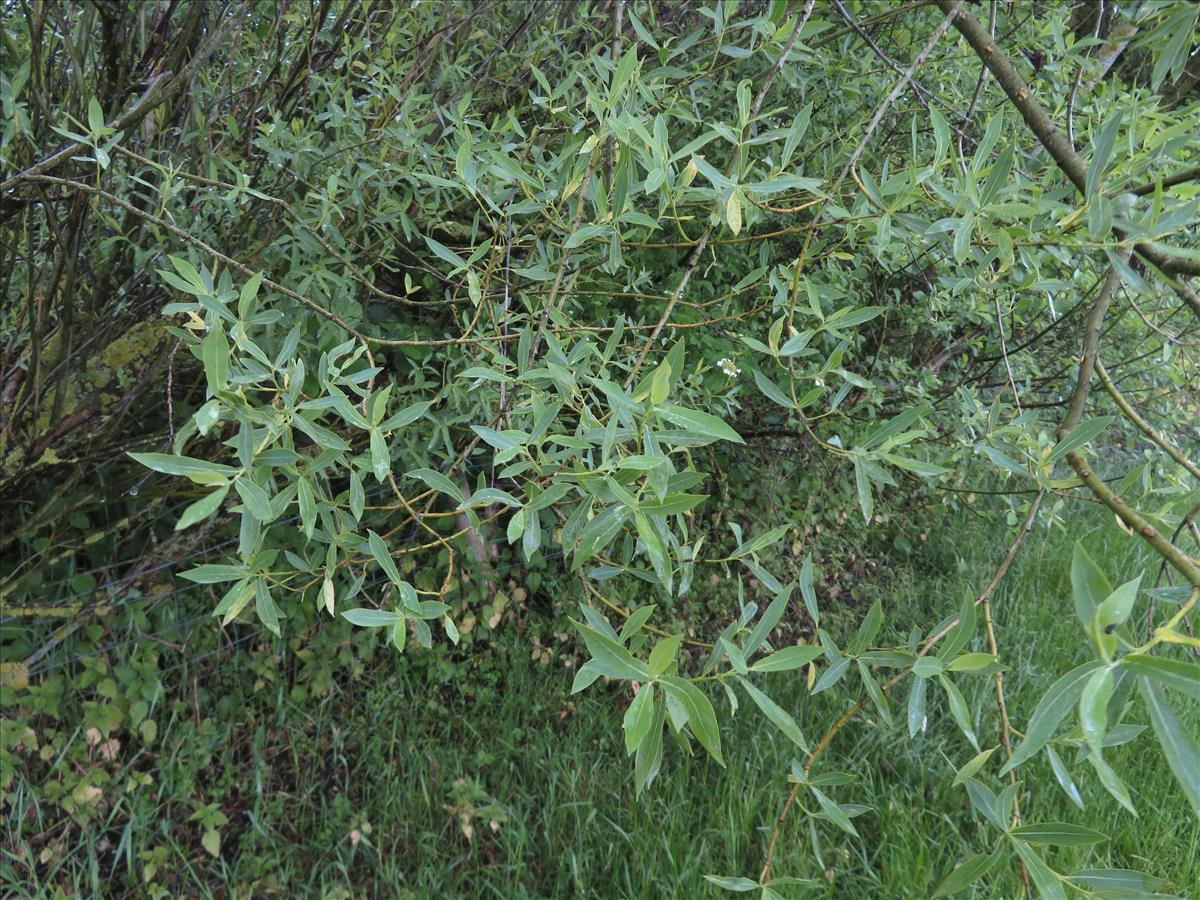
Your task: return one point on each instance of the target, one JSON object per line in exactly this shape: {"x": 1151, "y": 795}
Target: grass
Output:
{"x": 370, "y": 789}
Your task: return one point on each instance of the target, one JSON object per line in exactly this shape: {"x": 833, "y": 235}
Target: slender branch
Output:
{"x": 1055, "y": 142}
{"x": 1145, "y": 427}
{"x": 863, "y": 702}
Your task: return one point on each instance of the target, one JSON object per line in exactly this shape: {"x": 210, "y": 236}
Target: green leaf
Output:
{"x": 609, "y": 657}
{"x": 701, "y": 717}
{"x": 445, "y": 253}
{"x": 585, "y": 234}
{"x": 96, "y": 126}
{"x": 1061, "y": 834}
{"x": 767, "y": 621}
{"x": 868, "y": 630}
{"x": 202, "y": 508}
{"x": 248, "y": 294}
{"x": 983, "y": 801}
{"x": 199, "y": 470}
{"x": 1063, "y": 777}
{"x": 732, "y": 883}
{"x": 406, "y": 416}
{"x": 862, "y": 484}
{"x": 1093, "y": 707}
{"x": 648, "y": 759}
{"x": 772, "y": 391}
{"x": 875, "y": 692}
{"x": 916, "y": 707}
{"x": 736, "y": 659}
{"x": 959, "y": 709}
{"x": 255, "y": 498}
{"x": 831, "y": 676}
{"x": 663, "y": 654}
{"x": 970, "y": 871}
{"x": 623, "y": 73}
{"x": 1102, "y": 146}
{"x": 1176, "y": 674}
{"x": 1080, "y": 435}
{"x": 1112, "y": 781}
{"x": 1113, "y": 612}
{"x": 213, "y": 574}
{"x": 381, "y": 459}
{"x": 214, "y": 352}
{"x": 584, "y": 677}
{"x": 638, "y": 718}
{"x": 1088, "y": 586}
{"x": 264, "y": 606}
{"x": 1043, "y": 877}
{"x": 1179, "y": 747}
{"x": 973, "y": 765}
{"x": 370, "y": 618}
{"x": 358, "y": 497}
{"x": 834, "y": 813}
{"x": 776, "y": 713}
{"x": 700, "y": 423}
{"x": 806, "y": 590}
{"x": 319, "y": 434}
{"x": 1050, "y": 711}
{"x": 1118, "y": 882}
{"x": 972, "y": 662}
{"x": 379, "y": 550}
{"x": 636, "y": 620}
{"x": 439, "y": 482}
{"x": 787, "y": 659}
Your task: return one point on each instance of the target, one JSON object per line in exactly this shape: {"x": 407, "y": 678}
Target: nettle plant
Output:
{"x": 547, "y": 240}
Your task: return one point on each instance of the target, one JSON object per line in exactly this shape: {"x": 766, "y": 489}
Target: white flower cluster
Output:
{"x": 726, "y": 365}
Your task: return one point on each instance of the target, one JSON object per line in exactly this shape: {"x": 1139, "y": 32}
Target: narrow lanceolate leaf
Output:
{"x": 700, "y": 423}
{"x": 380, "y": 551}
{"x": 255, "y": 498}
{"x": 1175, "y": 674}
{"x": 1050, "y": 711}
{"x": 834, "y": 813}
{"x": 1093, "y": 708}
{"x": 648, "y": 759}
{"x": 438, "y": 482}
{"x": 862, "y": 484}
{"x": 787, "y": 659}
{"x": 195, "y": 469}
{"x": 1179, "y": 746}
{"x": 972, "y": 869}
{"x": 973, "y": 765}
{"x": 772, "y": 391}
{"x": 1089, "y": 585}
{"x": 732, "y": 883}
{"x": 875, "y": 692}
{"x": 1063, "y": 777}
{"x": 638, "y": 718}
{"x": 202, "y": 508}
{"x": 1118, "y": 882}
{"x": 1043, "y": 877}
{"x": 776, "y": 713}
{"x": 1061, "y": 834}
{"x": 264, "y": 606}
{"x": 701, "y": 717}
{"x": 959, "y": 709}
{"x": 916, "y": 707}
{"x": 370, "y": 618}
{"x": 1080, "y": 435}
{"x": 609, "y": 657}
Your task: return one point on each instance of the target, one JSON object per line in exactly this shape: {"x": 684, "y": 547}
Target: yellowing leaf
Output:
{"x": 733, "y": 212}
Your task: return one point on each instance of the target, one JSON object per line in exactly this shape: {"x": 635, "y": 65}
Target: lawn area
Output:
{"x": 379, "y": 778}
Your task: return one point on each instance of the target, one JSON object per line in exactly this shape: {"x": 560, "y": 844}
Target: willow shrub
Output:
{"x": 540, "y": 271}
